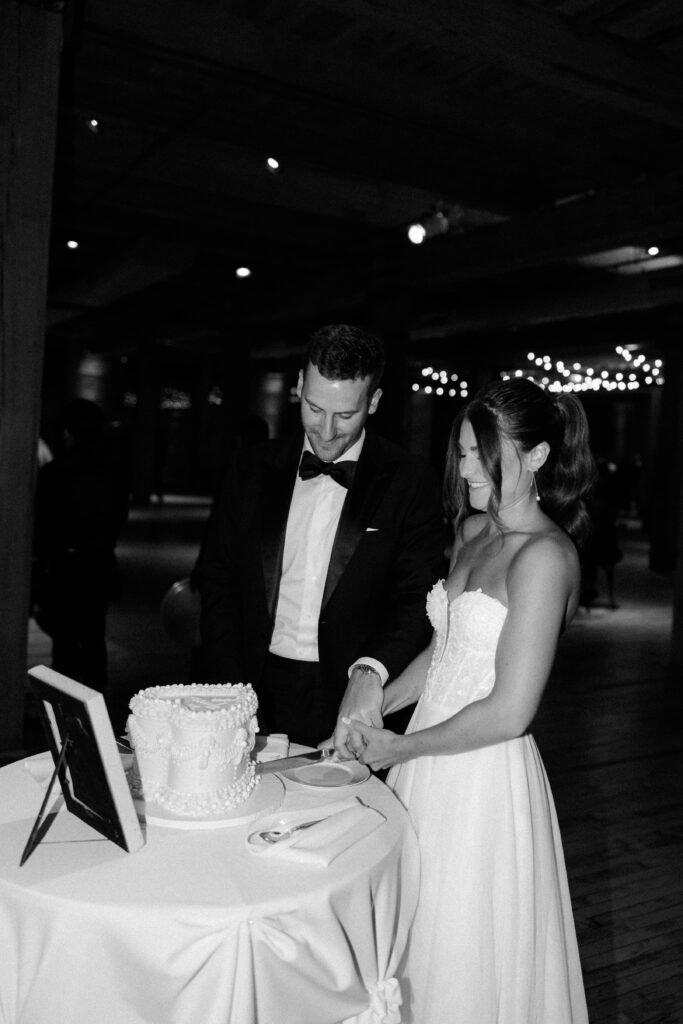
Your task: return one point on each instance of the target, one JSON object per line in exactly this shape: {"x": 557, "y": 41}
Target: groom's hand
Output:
{"x": 381, "y": 747}
{"x": 362, "y": 701}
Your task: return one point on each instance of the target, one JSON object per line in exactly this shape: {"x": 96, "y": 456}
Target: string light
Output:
{"x": 643, "y": 373}
{"x": 175, "y": 398}
{"x": 637, "y": 373}
{"x": 439, "y": 381}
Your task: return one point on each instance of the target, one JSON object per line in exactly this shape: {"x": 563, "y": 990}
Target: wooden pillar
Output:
{"x": 30, "y": 48}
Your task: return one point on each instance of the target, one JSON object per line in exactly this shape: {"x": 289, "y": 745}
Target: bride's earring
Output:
{"x": 535, "y": 485}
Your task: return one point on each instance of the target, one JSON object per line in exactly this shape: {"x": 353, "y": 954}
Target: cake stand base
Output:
{"x": 266, "y": 797}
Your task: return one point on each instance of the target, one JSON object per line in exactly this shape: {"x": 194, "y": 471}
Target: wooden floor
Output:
{"x": 610, "y": 734}
{"x": 609, "y": 730}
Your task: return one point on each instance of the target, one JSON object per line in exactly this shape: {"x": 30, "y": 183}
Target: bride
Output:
{"x": 493, "y": 940}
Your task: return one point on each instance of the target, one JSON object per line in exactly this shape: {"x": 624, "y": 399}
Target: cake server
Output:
{"x": 283, "y": 764}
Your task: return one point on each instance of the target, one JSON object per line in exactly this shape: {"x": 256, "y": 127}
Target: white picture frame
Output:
{"x": 91, "y": 772}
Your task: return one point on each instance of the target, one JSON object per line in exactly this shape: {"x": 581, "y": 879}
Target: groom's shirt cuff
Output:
{"x": 373, "y": 663}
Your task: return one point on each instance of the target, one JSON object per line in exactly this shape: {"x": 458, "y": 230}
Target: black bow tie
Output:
{"x": 341, "y": 472}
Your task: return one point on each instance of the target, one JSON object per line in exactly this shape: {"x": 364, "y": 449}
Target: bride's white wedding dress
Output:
{"x": 493, "y": 941}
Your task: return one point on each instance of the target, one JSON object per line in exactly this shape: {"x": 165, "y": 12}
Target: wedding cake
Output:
{"x": 192, "y": 746}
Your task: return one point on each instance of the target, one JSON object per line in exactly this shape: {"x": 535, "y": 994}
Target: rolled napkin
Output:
{"x": 340, "y": 827}
{"x": 270, "y": 748}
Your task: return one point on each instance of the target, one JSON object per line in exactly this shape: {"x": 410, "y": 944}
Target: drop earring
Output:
{"x": 535, "y": 486}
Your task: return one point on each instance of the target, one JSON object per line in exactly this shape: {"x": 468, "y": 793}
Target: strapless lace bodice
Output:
{"x": 462, "y": 668}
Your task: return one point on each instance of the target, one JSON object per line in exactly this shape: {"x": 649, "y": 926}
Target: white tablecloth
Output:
{"x": 194, "y": 929}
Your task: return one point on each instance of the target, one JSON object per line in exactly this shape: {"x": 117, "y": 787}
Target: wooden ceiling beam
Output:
{"x": 366, "y": 144}
{"x": 230, "y": 173}
{"x": 647, "y": 213}
{"x": 363, "y": 89}
{"x": 614, "y": 294}
{"x": 542, "y": 46}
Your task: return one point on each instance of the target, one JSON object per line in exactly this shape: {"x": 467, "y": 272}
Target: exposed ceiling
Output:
{"x": 546, "y": 132}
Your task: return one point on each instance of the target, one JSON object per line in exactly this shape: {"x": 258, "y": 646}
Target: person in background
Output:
{"x": 319, "y": 552}
{"x": 602, "y": 553}
{"x": 80, "y": 510}
{"x": 493, "y": 939}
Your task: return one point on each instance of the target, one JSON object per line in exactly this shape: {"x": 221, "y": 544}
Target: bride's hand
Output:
{"x": 380, "y": 746}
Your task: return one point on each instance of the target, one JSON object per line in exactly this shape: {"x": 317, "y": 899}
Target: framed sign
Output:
{"x": 87, "y": 760}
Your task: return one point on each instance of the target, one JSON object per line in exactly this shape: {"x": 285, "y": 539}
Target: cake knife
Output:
{"x": 283, "y": 764}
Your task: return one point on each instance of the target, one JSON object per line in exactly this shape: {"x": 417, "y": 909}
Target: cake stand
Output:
{"x": 267, "y": 796}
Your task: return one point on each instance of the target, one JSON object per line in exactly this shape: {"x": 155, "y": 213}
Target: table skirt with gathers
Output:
{"x": 193, "y": 929}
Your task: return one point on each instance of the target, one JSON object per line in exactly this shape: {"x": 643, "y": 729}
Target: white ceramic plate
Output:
{"x": 328, "y": 774}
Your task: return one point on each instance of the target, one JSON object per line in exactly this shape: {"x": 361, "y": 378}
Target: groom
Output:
{"x": 319, "y": 554}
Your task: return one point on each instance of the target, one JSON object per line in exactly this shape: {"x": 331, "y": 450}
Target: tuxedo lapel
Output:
{"x": 279, "y": 475}
{"x": 369, "y": 485}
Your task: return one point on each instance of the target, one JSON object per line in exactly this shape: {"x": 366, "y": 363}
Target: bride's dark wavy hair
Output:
{"x": 525, "y": 414}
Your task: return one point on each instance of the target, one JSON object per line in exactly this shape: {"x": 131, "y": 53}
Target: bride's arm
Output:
{"x": 407, "y": 688}
{"x": 539, "y": 585}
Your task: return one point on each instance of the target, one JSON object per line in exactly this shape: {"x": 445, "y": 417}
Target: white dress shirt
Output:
{"x": 311, "y": 528}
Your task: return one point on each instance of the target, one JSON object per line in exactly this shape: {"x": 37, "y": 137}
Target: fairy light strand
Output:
{"x": 559, "y": 376}
{"x": 441, "y": 383}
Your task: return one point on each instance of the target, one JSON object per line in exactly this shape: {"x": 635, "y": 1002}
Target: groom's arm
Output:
{"x": 418, "y": 561}
{"x": 403, "y": 630}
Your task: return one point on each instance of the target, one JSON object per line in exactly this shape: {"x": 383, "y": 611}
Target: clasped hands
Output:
{"x": 359, "y": 733}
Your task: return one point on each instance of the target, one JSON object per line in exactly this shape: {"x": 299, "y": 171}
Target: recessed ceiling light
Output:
{"x": 243, "y": 272}
{"x": 416, "y": 234}
{"x": 93, "y": 125}
{"x": 72, "y": 244}
{"x": 653, "y": 250}
{"x": 272, "y": 164}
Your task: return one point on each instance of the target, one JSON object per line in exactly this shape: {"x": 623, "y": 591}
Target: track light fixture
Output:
{"x": 435, "y": 223}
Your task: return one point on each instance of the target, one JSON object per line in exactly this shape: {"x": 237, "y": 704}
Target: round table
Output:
{"x": 195, "y": 929}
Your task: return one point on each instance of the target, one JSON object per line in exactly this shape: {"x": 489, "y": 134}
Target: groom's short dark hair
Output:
{"x": 344, "y": 352}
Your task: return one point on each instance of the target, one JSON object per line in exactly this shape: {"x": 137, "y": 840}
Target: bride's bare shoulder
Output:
{"x": 549, "y": 552}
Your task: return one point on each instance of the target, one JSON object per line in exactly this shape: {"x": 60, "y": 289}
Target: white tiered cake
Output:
{"x": 192, "y": 746}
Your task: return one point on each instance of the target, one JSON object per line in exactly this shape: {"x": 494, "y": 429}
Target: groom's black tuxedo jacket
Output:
{"x": 388, "y": 551}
